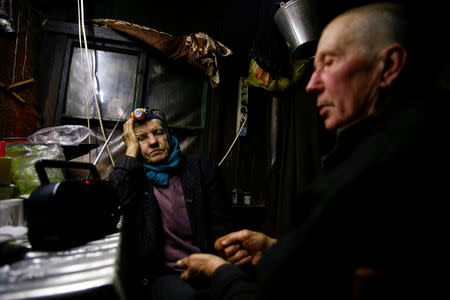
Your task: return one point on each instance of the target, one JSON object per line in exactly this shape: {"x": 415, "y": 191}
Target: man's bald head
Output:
{"x": 371, "y": 27}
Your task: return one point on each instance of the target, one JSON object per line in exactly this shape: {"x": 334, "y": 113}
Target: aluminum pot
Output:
{"x": 299, "y": 25}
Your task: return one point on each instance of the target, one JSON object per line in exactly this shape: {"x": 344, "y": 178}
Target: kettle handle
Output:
{"x": 41, "y": 164}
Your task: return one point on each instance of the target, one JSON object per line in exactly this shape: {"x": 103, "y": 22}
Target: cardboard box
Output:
{"x": 9, "y": 191}
{"x": 5, "y": 170}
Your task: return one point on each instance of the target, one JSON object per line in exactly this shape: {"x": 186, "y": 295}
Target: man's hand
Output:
{"x": 200, "y": 264}
{"x": 130, "y": 139}
{"x": 244, "y": 246}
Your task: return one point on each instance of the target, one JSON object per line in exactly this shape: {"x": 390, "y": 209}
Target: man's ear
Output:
{"x": 394, "y": 58}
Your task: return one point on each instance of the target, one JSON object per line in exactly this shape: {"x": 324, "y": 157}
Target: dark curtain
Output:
{"x": 299, "y": 151}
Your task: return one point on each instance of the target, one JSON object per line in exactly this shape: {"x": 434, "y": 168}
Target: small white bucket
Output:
{"x": 11, "y": 212}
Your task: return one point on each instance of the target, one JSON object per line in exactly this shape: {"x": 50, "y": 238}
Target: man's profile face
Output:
{"x": 345, "y": 82}
{"x": 153, "y": 141}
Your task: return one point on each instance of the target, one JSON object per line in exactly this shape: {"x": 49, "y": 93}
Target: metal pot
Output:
{"x": 299, "y": 25}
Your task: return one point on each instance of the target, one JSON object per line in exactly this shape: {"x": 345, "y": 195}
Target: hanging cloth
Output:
{"x": 197, "y": 49}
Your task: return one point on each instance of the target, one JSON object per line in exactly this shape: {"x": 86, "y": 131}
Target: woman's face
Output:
{"x": 153, "y": 141}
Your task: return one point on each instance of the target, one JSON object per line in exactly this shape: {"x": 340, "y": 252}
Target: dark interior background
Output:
{"x": 281, "y": 152}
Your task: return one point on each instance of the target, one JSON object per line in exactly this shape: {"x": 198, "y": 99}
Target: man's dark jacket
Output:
{"x": 378, "y": 206}
{"x": 141, "y": 257}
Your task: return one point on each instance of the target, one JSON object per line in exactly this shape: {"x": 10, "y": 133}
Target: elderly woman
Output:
{"x": 172, "y": 205}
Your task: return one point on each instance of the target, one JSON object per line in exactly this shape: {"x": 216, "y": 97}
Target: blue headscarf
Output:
{"x": 159, "y": 174}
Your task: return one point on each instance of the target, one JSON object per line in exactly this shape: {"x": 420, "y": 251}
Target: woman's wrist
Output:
{"x": 132, "y": 151}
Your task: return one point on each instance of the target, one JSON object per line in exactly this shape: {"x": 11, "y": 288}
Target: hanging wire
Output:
{"x": 232, "y": 144}
{"x": 94, "y": 90}
{"x": 15, "y": 49}
{"x": 86, "y": 102}
{"x": 27, "y": 29}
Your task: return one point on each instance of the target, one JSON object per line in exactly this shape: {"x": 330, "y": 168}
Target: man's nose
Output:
{"x": 315, "y": 84}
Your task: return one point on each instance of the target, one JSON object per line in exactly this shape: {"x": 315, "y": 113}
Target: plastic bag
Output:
{"x": 24, "y": 157}
{"x": 65, "y": 135}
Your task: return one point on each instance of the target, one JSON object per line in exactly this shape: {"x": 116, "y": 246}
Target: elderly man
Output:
{"x": 375, "y": 203}
{"x": 172, "y": 206}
